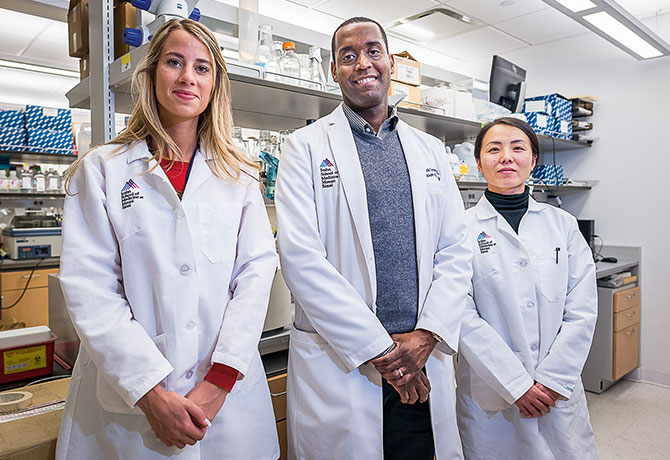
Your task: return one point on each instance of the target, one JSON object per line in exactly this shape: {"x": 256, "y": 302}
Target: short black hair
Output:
{"x": 357, "y": 20}
{"x": 513, "y": 122}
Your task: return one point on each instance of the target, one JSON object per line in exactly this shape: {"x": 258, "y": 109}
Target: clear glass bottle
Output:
{"x": 14, "y": 182}
{"x": 39, "y": 181}
{"x": 272, "y": 67}
{"x": 316, "y": 73}
{"x": 264, "y": 49}
{"x": 289, "y": 64}
{"x": 239, "y": 141}
{"x": 26, "y": 180}
{"x": 53, "y": 181}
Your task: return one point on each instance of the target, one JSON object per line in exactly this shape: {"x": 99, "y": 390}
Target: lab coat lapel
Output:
{"x": 345, "y": 153}
{"x": 155, "y": 176}
{"x": 200, "y": 172}
{"x": 417, "y": 178}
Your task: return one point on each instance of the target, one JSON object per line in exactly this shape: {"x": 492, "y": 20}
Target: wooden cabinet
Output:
{"x": 33, "y": 308}
{"x": 278, "y": 392}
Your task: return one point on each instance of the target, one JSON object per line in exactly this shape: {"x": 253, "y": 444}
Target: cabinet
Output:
{"x": 33, "y": 308}
{"x": 616, "y": 342}
{"x": 278, "y": 392}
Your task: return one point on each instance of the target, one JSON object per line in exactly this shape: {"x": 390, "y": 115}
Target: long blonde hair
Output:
{"x": 215, "y": 124}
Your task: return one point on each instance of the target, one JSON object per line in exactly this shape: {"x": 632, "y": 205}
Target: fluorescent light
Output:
{"x": 38, "y": 68}
{"x": 414, "y": 31}
{"x": 622, "y": 34}
{"x": 577, "y": 5}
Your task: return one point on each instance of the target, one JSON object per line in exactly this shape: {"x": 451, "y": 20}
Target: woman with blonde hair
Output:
{"x": 167, "y": 264}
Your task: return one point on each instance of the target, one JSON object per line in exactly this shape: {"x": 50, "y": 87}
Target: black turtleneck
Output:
{"x": 511, "y": 207}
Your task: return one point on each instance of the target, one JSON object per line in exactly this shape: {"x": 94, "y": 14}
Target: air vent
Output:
{"x": 432, "y": 25}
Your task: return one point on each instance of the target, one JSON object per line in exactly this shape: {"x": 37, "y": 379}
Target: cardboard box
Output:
{"x": 412, "y": 93}
{"x": 77, "y": 26}
{"x": 555, "y": 105}
{"x": 124, "y": 16}
{"x": 84, "y": 67}
{"x": 47, "y": 118}
{"x": 34, "y": 438}
{"x": 407, "y": 69}
{"x": 541, "y": 123}
{"x": 50, "y": 141}
{"x": 12, "y": 119}
{"x": 12, "y": 138}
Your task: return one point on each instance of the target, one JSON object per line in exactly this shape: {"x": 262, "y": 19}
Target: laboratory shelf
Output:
{"x": 38, "y": 157}
{"x": 29, "y": 200}
{"x": 542, "y": 188}
{"x": 547, "y": 146}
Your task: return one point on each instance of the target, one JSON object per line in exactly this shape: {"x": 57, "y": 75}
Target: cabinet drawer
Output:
{"x": 33, "y": 309}
{"x": 17, "y": 280}
{"x": 626, "y": 318}
{"x": 278, "y": 392}
{"x": 623, "y": 300}
{"x": 281, "y": 433}
{"x": 626, "y": 351}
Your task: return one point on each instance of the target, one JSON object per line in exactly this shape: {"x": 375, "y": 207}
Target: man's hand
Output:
{"x": 208, "y": 397}
{"x": 535, "y": 402}
{"x": 417, "y": 389}
{"x": 404, "y": 362}
{"x": 175, "y": 420}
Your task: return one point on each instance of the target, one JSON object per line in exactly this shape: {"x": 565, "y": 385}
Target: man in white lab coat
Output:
{"x": 372, "y": 244}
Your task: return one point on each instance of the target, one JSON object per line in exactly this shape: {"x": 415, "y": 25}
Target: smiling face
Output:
{"x": 184, "y": 78}
{"x": 362, "y": 66}
{"x": 506, "y": 159}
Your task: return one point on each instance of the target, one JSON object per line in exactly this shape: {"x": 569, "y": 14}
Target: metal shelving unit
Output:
{"x": 30, "y": 200}
{"x": 38, "y": 157}
{"x": 581, "y": 186}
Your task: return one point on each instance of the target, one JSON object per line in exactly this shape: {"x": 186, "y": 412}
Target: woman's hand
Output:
{"x": 175, "y": 420}
{"x": 208, "y": 397}
{"x": 535, "y": 403}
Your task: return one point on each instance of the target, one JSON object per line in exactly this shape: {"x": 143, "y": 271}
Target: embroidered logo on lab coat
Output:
{"x": 432, "y": 172}
{"x": 129, "y": 193}
{"x": 329, "y": 173}
{"x": 485, "y": 242}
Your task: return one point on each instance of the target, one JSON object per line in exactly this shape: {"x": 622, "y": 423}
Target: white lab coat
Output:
{"x": 334, "y": 398}
{"x": 528, "y": 318}
{"x": 159, "y": 289}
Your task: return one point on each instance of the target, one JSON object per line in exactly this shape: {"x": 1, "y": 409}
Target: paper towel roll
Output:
{"x": 14, "y": 400}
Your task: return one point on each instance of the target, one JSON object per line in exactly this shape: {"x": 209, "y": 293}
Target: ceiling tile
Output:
{"x": 645, "y": 8}
{"x": 541, "y": 26}
{"x": 491, "y": 11}
{"x": 22, "y": 23}
{"x": 315, "y": 20}
{"x": 52, "y": 52}
{"x": 13, "y": 43}
{"x": 476, "y": 44}
{"x": 382, "y": 11}
{"x": 279, "y": 9}
{"x": 56, "y": 31}
{"x": 24, "y": 87}
{"x": 423, "y": 54}
{"x": 309, "y": 3}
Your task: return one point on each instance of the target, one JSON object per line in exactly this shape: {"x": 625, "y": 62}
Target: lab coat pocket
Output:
{"x": 107, "y": 396}
{"x": 553, "y": 269}
{"x": 219, "y": 224}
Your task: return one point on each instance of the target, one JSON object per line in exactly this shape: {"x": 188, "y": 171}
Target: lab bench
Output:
{"x": 615, "y": 350}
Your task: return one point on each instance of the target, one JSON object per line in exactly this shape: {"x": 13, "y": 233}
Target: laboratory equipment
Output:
{"x": 4, "y": 180}
{"x": 26, "y": 180}
{"x": 264, "y": 52}
{"x": 14, "y": 183}
{"x": 271, "y": 165}
{"x": 272, "y": 70}
{"x": 32, "y": 236}
{"x": 164, "y": 11}
{"x": 240, "y": 142}
{"x": 507, "y": 85}
{"x": 316, "y": 73}
{"x": 53, "y": 181}
{"x": 289, "y": 65}
{"x": 39, "y": 181}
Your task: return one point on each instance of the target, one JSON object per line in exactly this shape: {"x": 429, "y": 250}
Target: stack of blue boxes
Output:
{"x": 12, "y": 130}
{"x": 550, "y": 115}
{"x": 49, "y": 130}
{"x": 37, "y": 129}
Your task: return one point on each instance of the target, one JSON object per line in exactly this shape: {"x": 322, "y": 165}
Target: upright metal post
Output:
{"x": 101, "y": 49}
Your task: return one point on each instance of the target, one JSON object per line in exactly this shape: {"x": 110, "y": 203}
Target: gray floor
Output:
{"x": 631, "y": 421}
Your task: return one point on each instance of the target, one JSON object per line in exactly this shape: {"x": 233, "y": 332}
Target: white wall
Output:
{"x": 631, "y": 159}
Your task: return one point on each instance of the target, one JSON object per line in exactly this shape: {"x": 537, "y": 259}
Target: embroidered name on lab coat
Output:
{"x": 328, "y": 173}
{"x": 432, "y": 172}
{"x": 129, "y": 193}
{"x": 485, "y": 242}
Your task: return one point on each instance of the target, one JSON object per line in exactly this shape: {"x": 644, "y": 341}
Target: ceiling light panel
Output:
{"x": 438, "y": 23}
{"x": 622, "y": 34}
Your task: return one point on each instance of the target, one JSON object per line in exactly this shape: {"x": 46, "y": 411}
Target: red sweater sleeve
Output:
{"x": 222, "y": 376}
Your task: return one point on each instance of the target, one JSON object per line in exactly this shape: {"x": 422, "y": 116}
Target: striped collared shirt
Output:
{"x": 363, "y": 127}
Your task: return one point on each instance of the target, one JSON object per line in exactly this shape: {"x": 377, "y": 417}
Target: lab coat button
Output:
{"x": 530, "y": 305}
{"x": 190, "y": 325}
{"x": 184, "y": 269}
{"x": 533, "y": 347}
{"x": 189, "y": 374}
{"x": 523, "y": 262}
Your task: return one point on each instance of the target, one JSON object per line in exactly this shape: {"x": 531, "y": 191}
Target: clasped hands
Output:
{"x": 537, "y": 401}
{"x": 402, "y": 367}
{"x": 178, "y": 420}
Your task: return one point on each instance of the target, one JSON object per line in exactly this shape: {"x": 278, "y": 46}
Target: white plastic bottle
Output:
{"x": 13, "y": 181}
{"x": 39, "y": 181}
{"x": 289, "y": 63}
{"x": 4, "y": 180}
{"x": 26, "y": 181}
{"x": 53, "y": 181}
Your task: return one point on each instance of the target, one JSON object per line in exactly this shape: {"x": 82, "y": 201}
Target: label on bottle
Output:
{"x": 40, "y": 184}
{"x": 53, "y": 184}
{"x": 26, "y": 182}
{"x": 14, "y": 183}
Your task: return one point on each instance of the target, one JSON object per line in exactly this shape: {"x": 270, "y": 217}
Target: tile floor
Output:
{"x": 631, "y": 421}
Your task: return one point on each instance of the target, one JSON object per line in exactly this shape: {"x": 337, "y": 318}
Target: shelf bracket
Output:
{"x": 101, "y": 49}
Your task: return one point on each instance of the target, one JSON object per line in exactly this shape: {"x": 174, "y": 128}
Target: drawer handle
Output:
{"x": 631, "y": 332}
{"x": 35, "y": 275}
{"x": 276, "y": 395}
{"x": 630, "y": 315}
{"x": 630, "y": 296}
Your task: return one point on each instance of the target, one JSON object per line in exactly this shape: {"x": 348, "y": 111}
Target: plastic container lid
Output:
{"x": 288, "y": 45}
